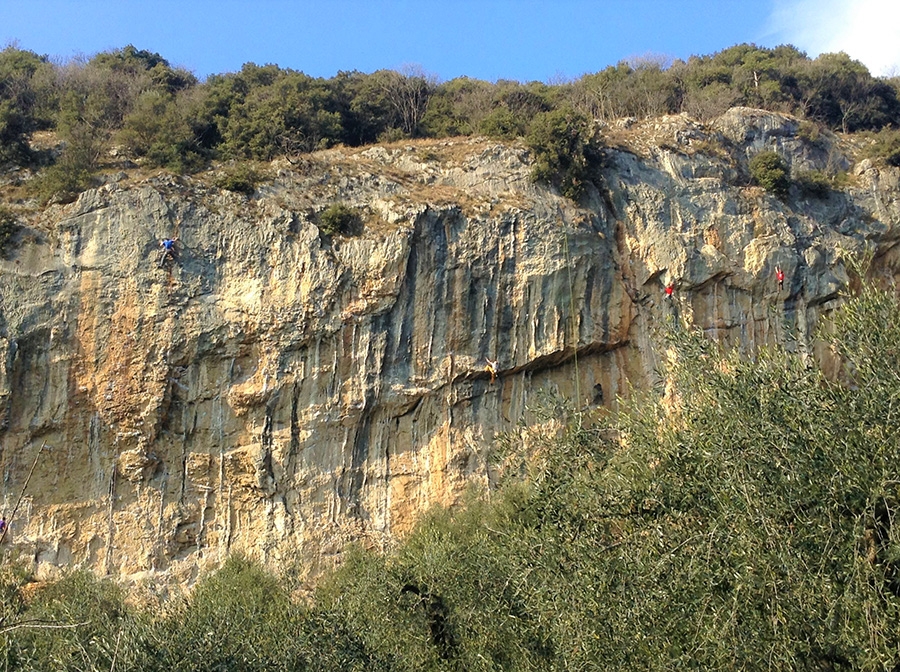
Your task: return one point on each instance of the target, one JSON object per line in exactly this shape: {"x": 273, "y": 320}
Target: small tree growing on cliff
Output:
{"x": 340, "y": 220}
{"x": 563, "y": 150}
{"x": 770, "y": 172}
{"x": 8, "y": 228}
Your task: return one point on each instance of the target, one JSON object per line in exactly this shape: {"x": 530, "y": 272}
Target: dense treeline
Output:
{"x": 743, "y": 520}
{"x": 135, "y": 100}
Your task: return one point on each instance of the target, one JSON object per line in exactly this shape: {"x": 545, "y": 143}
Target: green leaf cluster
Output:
{"x": 25, "y": 79}
{"x": 240, "y": 178}
{"x": 813, "y": 183}
{"x": 885, "y": 145}
{"x": 770, "y": 171}
{"x": 746, "y": 520}
{"x": 9, "y": 226}
{"x": 133, "y": 101}
{"x": 564, "y": 149}
{"x": 339, "y": 219}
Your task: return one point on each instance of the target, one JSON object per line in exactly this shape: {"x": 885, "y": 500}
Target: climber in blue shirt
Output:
{"x": 168, "y": 250}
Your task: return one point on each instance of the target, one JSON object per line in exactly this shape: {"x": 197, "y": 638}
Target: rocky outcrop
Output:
{"x": 278, "y": 392}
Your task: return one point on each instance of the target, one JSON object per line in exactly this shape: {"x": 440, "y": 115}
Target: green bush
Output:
{"x": 392, "y": 135}
{"x": 810, "y": 132}
{"x": 9, "y": 226}
{"x": 885, "y": 145}
{"x": 13, "y": 575}
{"x": 770, "y": 171}
{"x": 813, "y": 183}
{"x": 62, "y": 184}
{"x": 159, "y": 129}
{"x": 76, "y": 623}
{"x": 13, "y": 135}
{"x": 340, "y": 220}
{"x": 564, "y": 150}
{"x": 502, "y": 123}
{"x": 756, "y": 503}
{"x": 73, "y": 171}
{"x": 265, "y": 111}
{"x": 241, "y": 178}
{"x": 237, "y": 618}
{"x": 20, "y": 94}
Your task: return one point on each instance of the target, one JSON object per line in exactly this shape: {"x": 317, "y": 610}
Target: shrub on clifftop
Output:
{"x": 340, "y": 220}
{"x": 240, "y": 178}
{"x": 563, "y": 149}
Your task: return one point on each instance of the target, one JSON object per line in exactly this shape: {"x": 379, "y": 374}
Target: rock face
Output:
{"x": 278, "y": 393}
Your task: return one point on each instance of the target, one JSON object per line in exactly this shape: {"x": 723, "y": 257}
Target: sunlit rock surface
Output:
{"x": 278, "y": 393}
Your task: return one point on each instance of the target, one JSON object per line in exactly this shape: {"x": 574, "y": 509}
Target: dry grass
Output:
{"x": 414, "y": 166}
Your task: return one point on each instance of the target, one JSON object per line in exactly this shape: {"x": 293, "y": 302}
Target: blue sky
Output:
{"x": 524, "y": 40}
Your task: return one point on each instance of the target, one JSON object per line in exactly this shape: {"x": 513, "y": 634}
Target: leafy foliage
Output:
{"x": 746, "y": 522}
{"x": 564, "y": 150}
{"x": 885, "y": 145}
{"x": 238, "y": 618}
{"x": 162, "y": 116}
{"x": 20, "y": 75}
{"x": 339, "y": 219}
{"x": 77, "y": 623}
{"x": 9, "y": 226}
{"x": 241, "y": 178}
{"x": 813, "y": 183}
{"x": 770, "y": 172}
{"x": 159, "y": 127}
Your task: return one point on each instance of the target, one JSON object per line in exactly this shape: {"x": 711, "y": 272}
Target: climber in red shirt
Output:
{"x": 779, "y": 275}
{"x": 670, "y": 289}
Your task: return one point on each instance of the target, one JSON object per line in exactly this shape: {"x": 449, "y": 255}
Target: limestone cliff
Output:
{"x": 277, "y": 392}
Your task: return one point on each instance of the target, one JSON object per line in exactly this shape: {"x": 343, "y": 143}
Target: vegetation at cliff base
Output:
{"x": 132, "y": 104}
{"x": 744, "y": 518}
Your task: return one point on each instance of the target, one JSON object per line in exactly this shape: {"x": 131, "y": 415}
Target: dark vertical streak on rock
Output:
{"x": 401, "y": 358}
{"x": 586, "y": 313}
{"x": 268, "y": 483}
{"x": 294, "y": 446}
{"x": 353, "y": 478}
{"x": 506, "y": 325}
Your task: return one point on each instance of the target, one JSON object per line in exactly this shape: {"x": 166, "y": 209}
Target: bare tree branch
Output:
{"x": 41, "y": 625}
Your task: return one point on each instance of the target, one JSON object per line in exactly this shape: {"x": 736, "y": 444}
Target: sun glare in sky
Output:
{"x": 867, "y": 30}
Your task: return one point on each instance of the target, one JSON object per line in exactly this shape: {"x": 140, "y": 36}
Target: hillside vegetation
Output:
{"x": 135, "y": 103}
{"x": 742, "y": 518}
